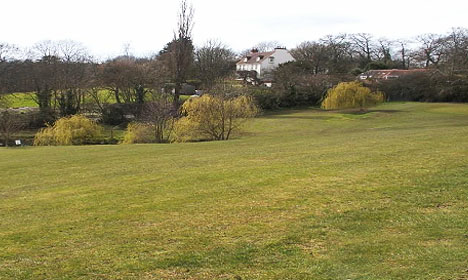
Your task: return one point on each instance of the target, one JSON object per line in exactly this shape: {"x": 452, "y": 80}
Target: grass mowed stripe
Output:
{"x": 303, "y": 194}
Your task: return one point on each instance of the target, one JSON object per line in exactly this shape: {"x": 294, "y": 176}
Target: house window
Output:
{"x": 245, "y": 59}
{"x": 272, "y": 59}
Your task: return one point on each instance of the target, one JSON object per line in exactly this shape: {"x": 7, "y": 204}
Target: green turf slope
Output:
{"x": 302, "y": 194}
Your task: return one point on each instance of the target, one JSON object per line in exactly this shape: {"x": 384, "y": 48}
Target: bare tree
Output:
{"x": 161, "y": 116}
{"x": 41, "y": 75}
{"x": 265, "y": 46}
{"x": 456, "y": 49}
{"x": 45, "y": 48}
{"x": 127, "y": 78}
{"x": 340, "y": 51}
{"x": 7, "y": 51}
{"x": 9, "y": 124}
{"x": 404, "y": 53}
{"x": 363, "y": 44}
{"x": 72, "y": 77}
{"x": 315, "y": 54}
{"x": 431, "y": 50}
{"x": 213, "y": 62}
{"x": 384, "y": 50}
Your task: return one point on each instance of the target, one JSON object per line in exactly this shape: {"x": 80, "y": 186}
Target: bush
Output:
{"x": 415, "y": 87}
{"x": 426, "y": 88}
{"x": 139, "y": 133}
{"x": 74, "y": 130}
{"x": 113, "y": 114}
{"x": 10, "y": 123}
{"x": 213, "y": 117}
{"x": 265, "y": 98}
{"x": 351, "y": 95}
{"x": 457, "y": 91}
{"x": 160, "y": 115}
{"x": 116, "y": 114}
{"x": 297, "y": 84}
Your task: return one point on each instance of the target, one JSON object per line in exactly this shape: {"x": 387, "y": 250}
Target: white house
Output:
{"x": 263, "y": 62}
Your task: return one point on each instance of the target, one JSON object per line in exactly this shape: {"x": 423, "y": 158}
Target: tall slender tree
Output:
{"x": 180, "y": 51}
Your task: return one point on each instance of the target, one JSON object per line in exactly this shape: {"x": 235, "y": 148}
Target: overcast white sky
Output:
{"x": 105, "y": 26}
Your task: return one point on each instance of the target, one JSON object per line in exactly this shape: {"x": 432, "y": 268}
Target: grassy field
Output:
{"x": 303, "y": 194}
{"x": 17, "y": 100}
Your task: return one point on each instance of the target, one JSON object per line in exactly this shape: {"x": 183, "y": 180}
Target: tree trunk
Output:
{"x": 177, "y": 90}
{"x": 117, "y": 97}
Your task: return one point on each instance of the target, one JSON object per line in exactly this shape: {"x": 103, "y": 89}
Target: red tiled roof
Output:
{"x": 252, "y": 57}
{"x": 384, "y": 74}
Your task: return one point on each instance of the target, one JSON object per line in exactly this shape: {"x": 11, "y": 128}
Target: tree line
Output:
{"x": 356, "y": 53}
{"x": 65, "y": 79}
{"x": 63, "y": 76}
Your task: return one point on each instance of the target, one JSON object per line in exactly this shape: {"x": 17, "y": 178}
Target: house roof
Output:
{"x": 252, "y": 57}
{"x": 384, "y": 74}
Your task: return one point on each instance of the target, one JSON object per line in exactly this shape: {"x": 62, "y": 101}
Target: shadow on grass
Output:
{"x": 364, "y": 112}
{"x": 289, "y": 113}
{"x": 300, "y": 117}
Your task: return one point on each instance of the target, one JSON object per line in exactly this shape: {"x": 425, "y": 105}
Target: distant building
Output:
{"x": 262, "y": 63}
{"x": 392, "y": 74}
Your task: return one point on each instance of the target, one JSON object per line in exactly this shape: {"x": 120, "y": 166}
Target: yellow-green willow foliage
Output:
{"x": 74, "y": 130}
{"x": 213, "y": 117}
{"x": 139, "y": 133}
{"x": 351, "y": 95}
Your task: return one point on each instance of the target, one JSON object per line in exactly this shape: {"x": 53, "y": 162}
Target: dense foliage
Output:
{"x": 351, "y": 95}
{"x": 426, "y": 88}
{"x": 139, "y": 133}
{"x": 73, "y": 130}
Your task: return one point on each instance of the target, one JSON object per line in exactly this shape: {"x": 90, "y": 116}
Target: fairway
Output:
{"x": 301, "y": 194}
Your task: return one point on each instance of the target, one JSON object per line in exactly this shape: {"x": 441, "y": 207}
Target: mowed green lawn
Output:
{"x": 303, "y": 194}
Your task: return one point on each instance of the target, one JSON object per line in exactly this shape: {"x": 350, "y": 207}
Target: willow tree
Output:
{"x": 351, "y": 95}
{"x": 73, "y": 130}
{"x": 215, "y": 117}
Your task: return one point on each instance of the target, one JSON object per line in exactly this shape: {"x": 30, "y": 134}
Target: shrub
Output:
{"x": 118, "y": 113}
{"x": 10, "y": 123}
{"x": 74, "y": 130}
{"x": 265, "y": 98}
{"x": 113, "y": 114}
{"x": 139, "y": 133}
{"x": 213, "y": 117}
{"x": 415, "y": 87}
{"x": 351, "y": 95}
{"x": 160, "y": 115}
{"x": 299, "y": 84}
{"x": 427, "y": 88}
